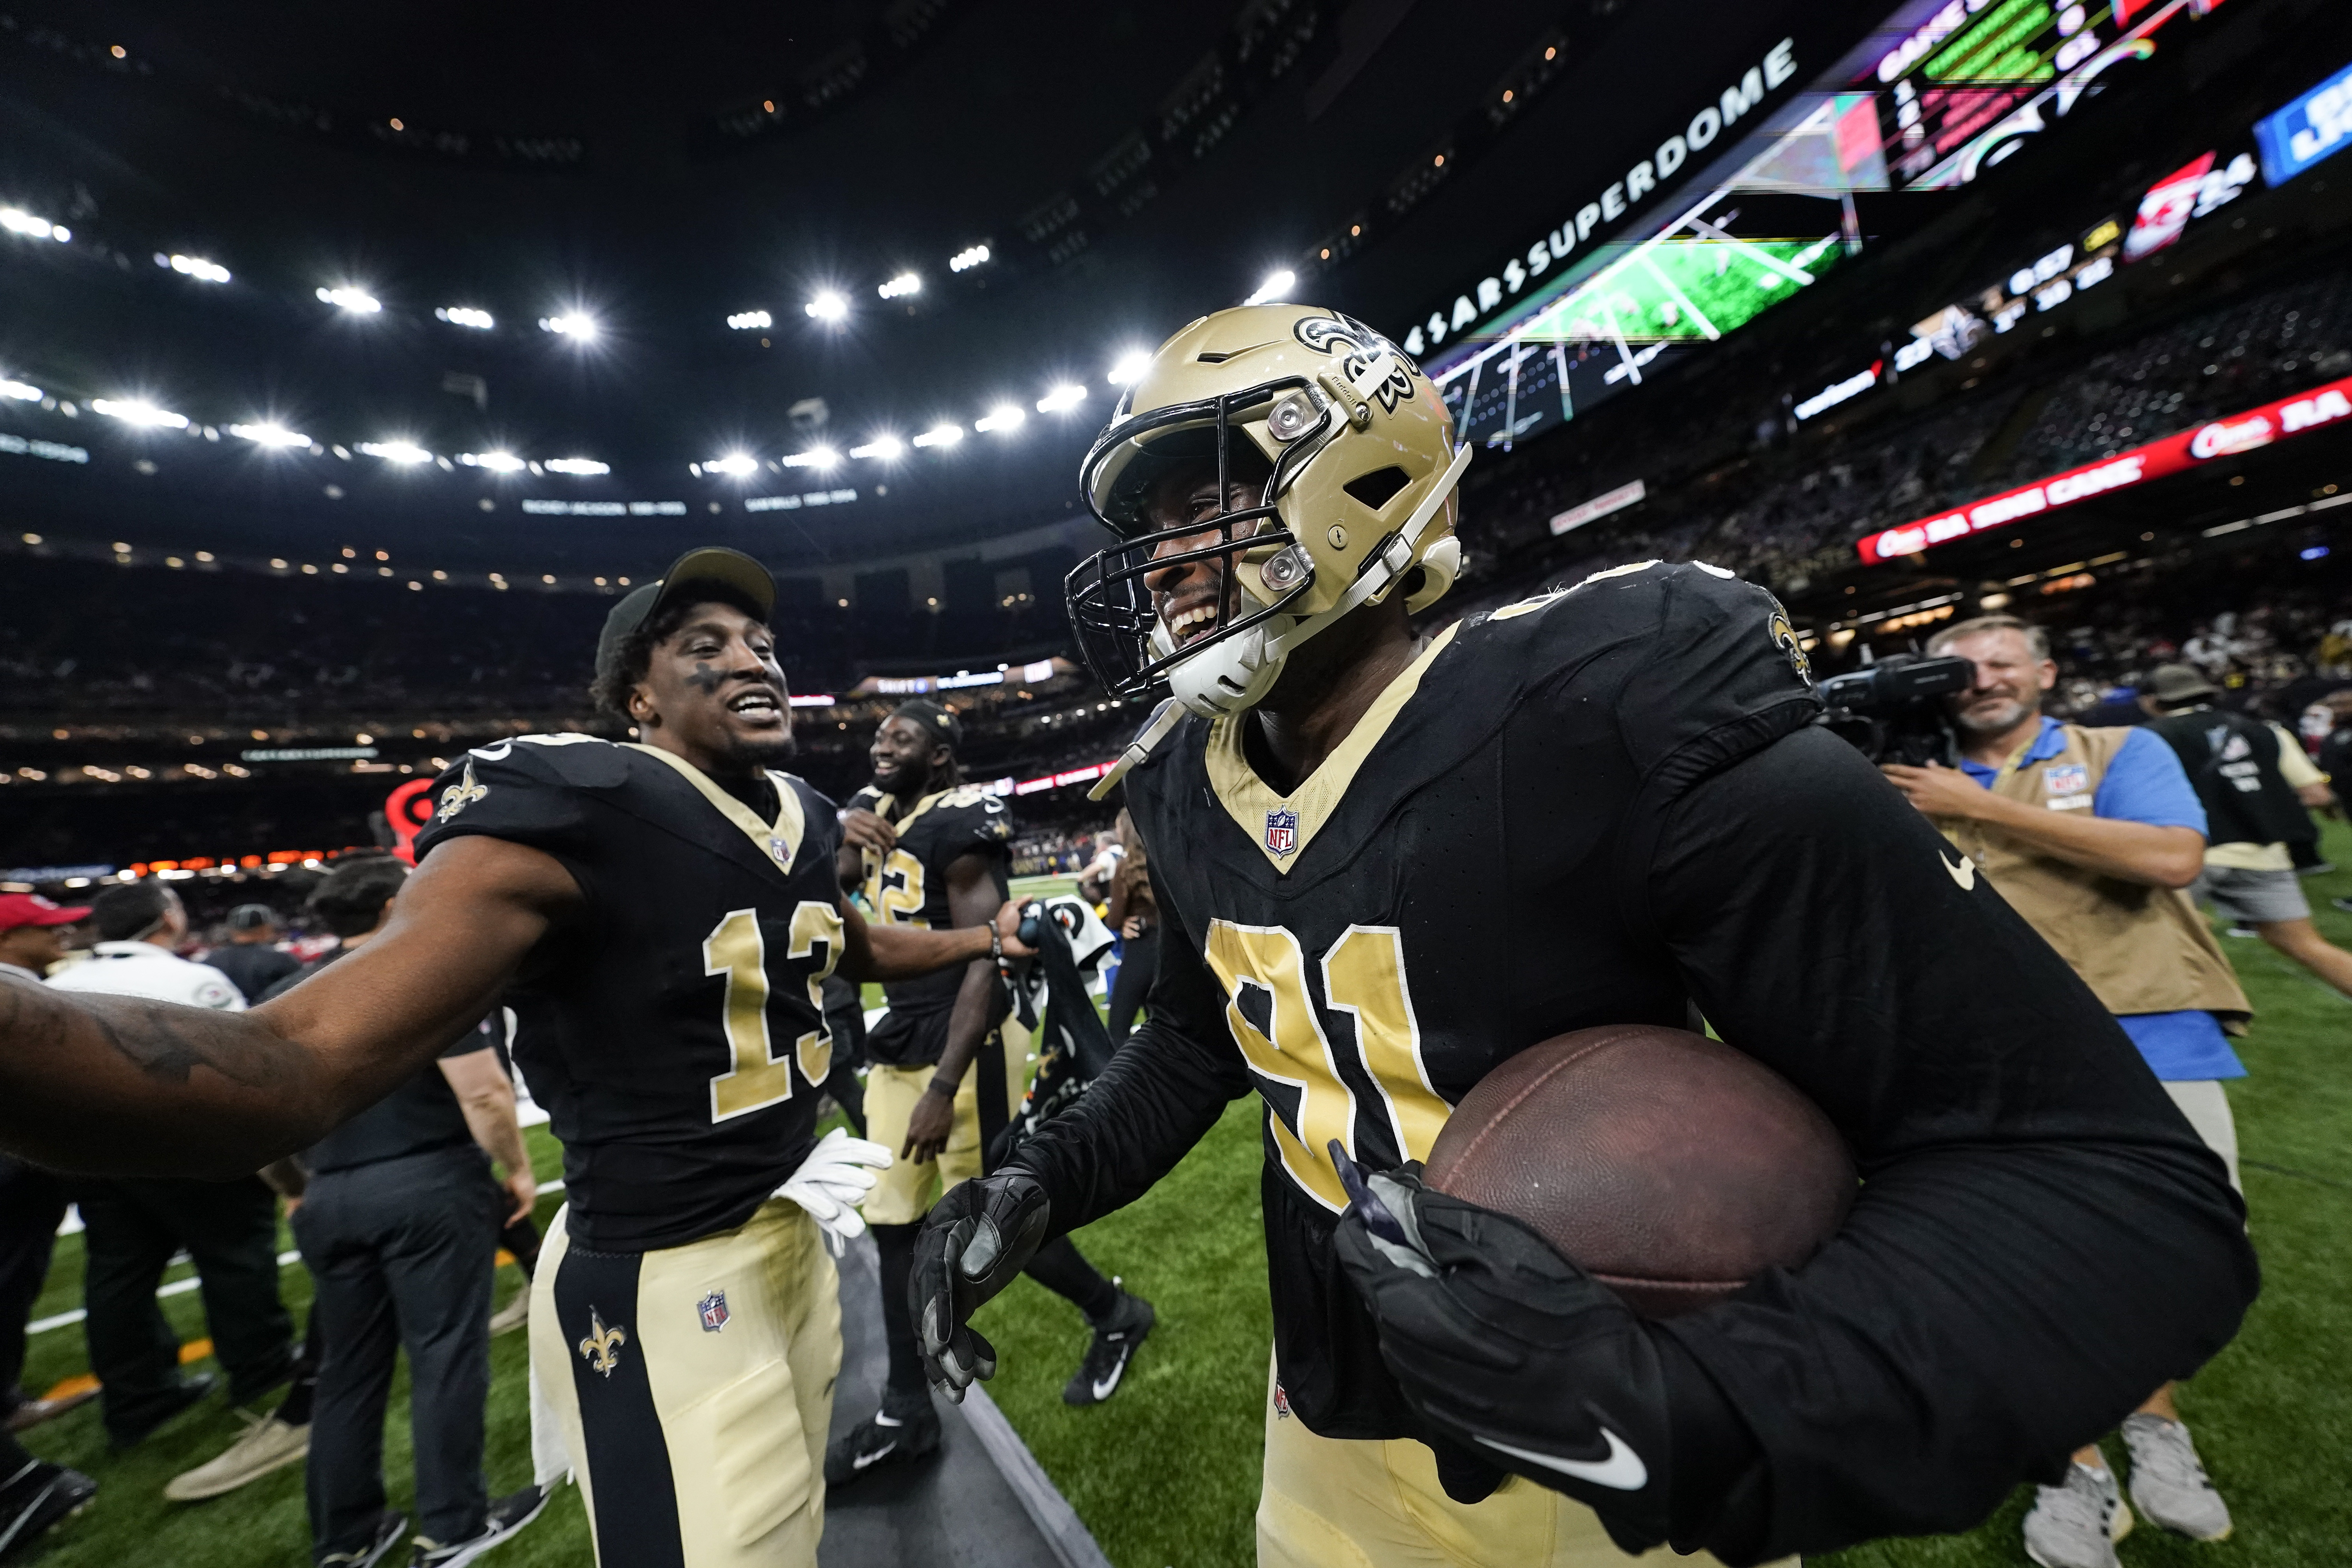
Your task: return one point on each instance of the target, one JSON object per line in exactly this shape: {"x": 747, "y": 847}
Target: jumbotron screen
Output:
{"x": 1946, "y": 89}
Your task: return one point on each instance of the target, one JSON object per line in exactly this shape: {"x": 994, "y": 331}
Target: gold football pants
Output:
{"x": 1329, "y": 1503}
{"x": 694, "y": 1385}
{"x": 905, "y": 1192}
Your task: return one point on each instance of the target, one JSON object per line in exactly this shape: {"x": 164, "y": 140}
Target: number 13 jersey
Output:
{"x": 673, "y": 1030}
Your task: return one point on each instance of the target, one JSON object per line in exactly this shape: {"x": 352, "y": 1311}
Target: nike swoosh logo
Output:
{"x": 1623, "y": 1471}
{"x": 861, "y": 1460}
{"x": 1965, "y": 873}
{"x": 1103, "y": 1388}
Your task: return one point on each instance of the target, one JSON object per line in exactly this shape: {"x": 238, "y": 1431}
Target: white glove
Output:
{"x": 832, "y": 1181}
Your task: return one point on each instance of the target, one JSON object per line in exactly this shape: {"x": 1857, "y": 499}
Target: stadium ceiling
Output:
{"x": 1129, "y": 166}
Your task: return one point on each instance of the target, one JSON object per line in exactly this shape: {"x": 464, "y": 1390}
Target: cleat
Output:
{"x": 881, "y": 1441}
{"x": 1115, "y": 1342}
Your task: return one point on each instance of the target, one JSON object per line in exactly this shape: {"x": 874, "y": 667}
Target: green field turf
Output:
{"x": 1166, "y": 1474}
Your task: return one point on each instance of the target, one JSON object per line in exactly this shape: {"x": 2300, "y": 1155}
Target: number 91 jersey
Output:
{"x": 1443, "y": 892}
{"x": 675, "y": 1033}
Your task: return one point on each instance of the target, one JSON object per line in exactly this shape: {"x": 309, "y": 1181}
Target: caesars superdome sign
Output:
{"x": 1597, "y": 215}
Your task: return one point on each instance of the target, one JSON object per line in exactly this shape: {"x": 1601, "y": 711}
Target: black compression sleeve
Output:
{"x": 1163, "y": 1091}
{"x": 2039, "y": 1240}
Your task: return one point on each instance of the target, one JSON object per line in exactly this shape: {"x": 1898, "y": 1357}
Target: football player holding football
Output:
{"x": 661, "y": 917}
{"x": 932, "y": 853}
{"x": 2039, "y": 1238}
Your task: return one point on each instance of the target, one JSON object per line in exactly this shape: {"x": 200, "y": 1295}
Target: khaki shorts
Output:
{"x": 694, "y": 1388}
{"x": 1330, "y": 1502}
{"x": 905, "y": 1192}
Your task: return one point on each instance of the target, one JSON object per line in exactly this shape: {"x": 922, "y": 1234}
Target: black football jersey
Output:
{"x": 1609, "y": 805}
{"x": 908, "y": 887}
{"x": 676, "y": 1034}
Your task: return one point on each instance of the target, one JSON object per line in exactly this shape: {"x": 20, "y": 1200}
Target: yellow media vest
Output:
{"x": 2140, "y": 949}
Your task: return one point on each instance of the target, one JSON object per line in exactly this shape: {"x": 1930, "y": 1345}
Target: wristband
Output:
{"x": 941, "y": 1086}
{"x": 995, "y": 943}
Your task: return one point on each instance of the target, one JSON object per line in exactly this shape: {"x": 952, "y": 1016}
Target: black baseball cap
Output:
{"x": 934, "y": 720}
{"x": 711, "y": 566}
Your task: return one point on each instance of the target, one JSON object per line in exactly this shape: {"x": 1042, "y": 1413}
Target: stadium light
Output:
{"x": 406, "y": 453}
{"x": 17, "y": 220}
{"x": 1277, "y": 286}
{"x": 359, "y": 302}
{"x": 736, "y": 465}
{"x": 815, "y": 457}
{"x": 940, "y": 435}
{"x": 905, "y": 283}
{"x": 496, "y": 462}
{"x": 588, "y": 465}
{"x": 1003, "y": 416}
{"x": 885, "y": 447}
{"x": 464, "y": 316}
{"x": 967, "y": 258}
{"x": 572, "y": 324}
{"x": 268, "y": 436}
{"x": 751, "y": 321}
{"x": 20, "y": 391}
{"x": 132, "y": 411}
{"x": 829, "y": 306}
{"x": 1132, "y": 363}
{"x": 1061, "y": 399}
{"x": 195, "y": 267}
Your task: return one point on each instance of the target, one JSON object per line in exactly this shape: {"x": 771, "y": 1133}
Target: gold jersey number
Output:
{"x": 894, "y": 889}
{"x": 1362, "y": 975}
{"x": 737, "y": 949}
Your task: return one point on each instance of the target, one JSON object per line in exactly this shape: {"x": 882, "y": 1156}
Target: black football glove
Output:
{"x": 975, "y": 1241}
{"x": 1505, "y": 1346}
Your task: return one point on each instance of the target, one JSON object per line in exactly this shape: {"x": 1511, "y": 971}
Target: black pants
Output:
{"x": 32, "y": 1202}
{"x": 131, "y": 1229}
{"x": 1139, "y": 964}
{"x": 402, "y": 1250}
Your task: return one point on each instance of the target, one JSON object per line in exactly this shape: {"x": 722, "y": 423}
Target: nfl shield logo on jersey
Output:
{"x": 1281, "y": 832}
{"x": 714, "y": 1312}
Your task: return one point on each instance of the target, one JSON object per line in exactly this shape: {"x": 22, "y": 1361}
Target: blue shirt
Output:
{"x": 2145, "y": 783}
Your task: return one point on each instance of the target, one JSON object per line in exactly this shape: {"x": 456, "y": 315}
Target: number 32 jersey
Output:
{"x": 675, "y": 1030}
{"x": 1610, "y": 805}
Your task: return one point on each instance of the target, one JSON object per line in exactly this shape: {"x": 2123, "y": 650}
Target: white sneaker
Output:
{"x": 514, "y": 1315}
{"x": 269, "y": 1444}
{"x": 2168, "y": 1482}
{"x": 2076, "y": 1525}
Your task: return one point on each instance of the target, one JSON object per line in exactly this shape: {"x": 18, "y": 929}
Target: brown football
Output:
{"x": 1668, "y": 1165}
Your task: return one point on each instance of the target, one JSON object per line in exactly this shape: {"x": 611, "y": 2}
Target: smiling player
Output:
{"x": 660, "y": 916}
{"x": 1329, "y": 803}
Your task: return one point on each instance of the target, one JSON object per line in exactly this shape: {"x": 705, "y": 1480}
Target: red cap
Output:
{"x": 32, "y": 910}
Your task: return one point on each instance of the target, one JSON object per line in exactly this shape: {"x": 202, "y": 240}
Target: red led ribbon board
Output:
{"x": 2322, "y": 406}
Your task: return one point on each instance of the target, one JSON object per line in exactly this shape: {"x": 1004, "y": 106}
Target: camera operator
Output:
{"x": 2090, "y": 835}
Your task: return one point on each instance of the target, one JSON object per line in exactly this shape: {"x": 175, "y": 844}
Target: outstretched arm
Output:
{"x": 124, "y": 1087}
{"x": 902, "y": 952}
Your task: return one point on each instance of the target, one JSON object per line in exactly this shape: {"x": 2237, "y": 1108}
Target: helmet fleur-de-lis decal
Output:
{"x": 602, "y": 1349}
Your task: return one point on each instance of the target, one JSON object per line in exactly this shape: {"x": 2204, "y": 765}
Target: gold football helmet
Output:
{"x": 1359, "y": 501}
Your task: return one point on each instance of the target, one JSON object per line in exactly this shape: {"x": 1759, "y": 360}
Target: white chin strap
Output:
{"x": 1234, "y": 673}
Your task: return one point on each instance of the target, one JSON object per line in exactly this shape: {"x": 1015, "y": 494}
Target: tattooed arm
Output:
{"x": 117, "y": 1086}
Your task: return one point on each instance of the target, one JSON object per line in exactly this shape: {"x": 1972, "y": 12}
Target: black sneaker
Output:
{"x": 36, "y": 1498}
{"x": 389, "y": 1529}
{"x": 1115, "y": 1338}
{"x": 502, "y": 1519}
{"x": 190, "y": 1392}
{"x": 885, "y": 1438}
